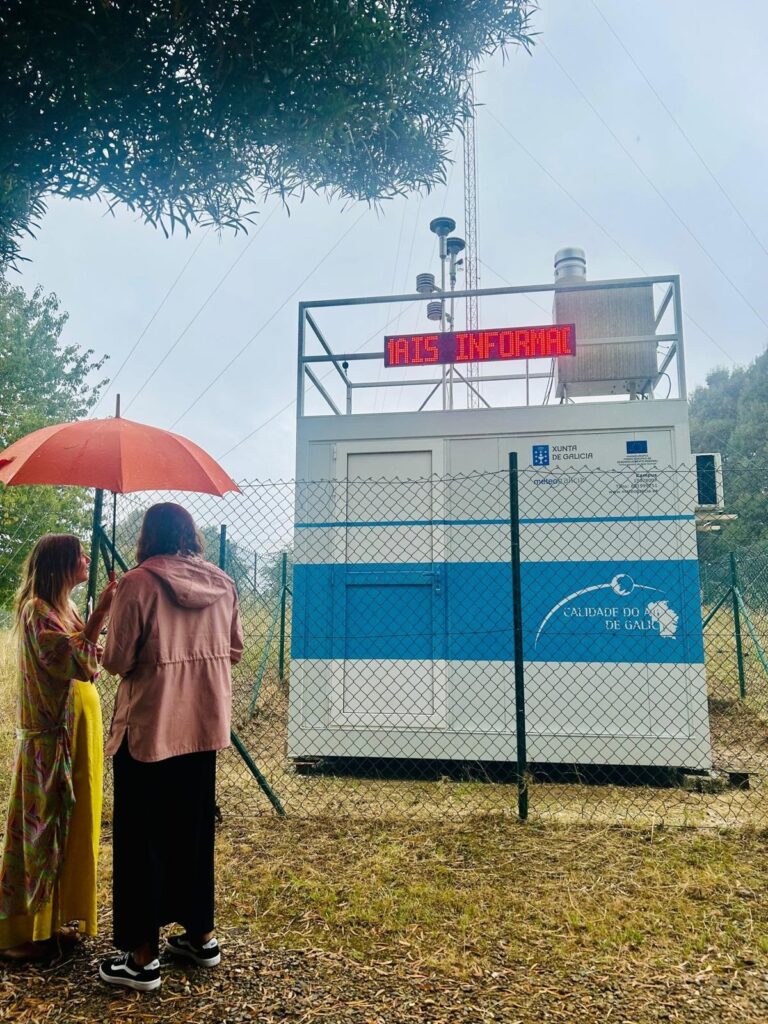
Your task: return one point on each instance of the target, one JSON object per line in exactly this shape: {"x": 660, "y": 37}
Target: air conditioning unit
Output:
{"x": 709, "y": 482}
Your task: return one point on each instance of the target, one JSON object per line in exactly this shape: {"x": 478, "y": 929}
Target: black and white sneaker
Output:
{"x": 207, "y": 954}
{"x": 123, "y": 970}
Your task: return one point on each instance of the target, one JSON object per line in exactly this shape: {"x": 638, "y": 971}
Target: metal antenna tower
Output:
{"x": 472, "y": 275}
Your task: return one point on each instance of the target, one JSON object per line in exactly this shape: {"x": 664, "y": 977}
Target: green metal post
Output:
{"x": 237, "y": 743}
{"x": 111, "y": 556}
{"x": 737, "y": 627}
{"x": 752, "y": 632}
{"x": 93, "y": 571}
{"x": 517, "y": 620}
{"x": 713, "y": 611}
{"x": 223, "y": 548}
{"x": 283, "y": 597}
{"x": 270, "y": 794}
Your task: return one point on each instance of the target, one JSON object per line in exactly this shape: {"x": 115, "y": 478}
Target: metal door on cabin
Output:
{"x": 389, "y": 603}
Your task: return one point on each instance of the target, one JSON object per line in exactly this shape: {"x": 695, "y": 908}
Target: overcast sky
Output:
{"x": 632, "y": 192}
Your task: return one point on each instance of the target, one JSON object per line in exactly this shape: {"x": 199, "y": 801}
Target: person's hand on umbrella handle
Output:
{"x": 105, "y": 598}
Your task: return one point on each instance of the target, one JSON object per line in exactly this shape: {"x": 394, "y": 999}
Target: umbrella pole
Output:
{"x": 114, "y": 506}
{"x": 93, "y": 569}
{"x": 114, "y": 521}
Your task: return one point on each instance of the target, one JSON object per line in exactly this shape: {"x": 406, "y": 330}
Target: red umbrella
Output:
{"x": 119, "y": 455}
{"x": 113, "y": 454}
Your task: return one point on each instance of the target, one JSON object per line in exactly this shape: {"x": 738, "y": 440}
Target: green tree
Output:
{"x": 730, "y": 415}
{"x": 187, "y": 110}
{"x": 41, "y": 382}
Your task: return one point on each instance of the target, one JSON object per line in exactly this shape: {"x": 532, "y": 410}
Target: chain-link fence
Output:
{"x": 380, "y": 675}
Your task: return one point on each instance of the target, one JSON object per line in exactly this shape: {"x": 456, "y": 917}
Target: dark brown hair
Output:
{"x": 168, "y": 529}
{"x": 50, "y": 571}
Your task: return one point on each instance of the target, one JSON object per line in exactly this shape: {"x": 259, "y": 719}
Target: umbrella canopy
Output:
{"x": 113, "y": 454}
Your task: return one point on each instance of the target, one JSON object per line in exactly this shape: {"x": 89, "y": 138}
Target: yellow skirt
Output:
{"x": 74, "y": 896}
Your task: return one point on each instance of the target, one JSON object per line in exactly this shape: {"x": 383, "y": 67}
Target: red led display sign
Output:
{"x": 480, "y": 346}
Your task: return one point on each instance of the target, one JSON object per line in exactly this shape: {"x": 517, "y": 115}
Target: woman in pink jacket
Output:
{"x": 174, "y": 635}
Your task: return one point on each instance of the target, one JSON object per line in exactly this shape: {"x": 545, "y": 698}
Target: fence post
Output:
{"x": 517, "y": 619}
{"x": 237, "y": 743}
{"x": 93, "y": 570}
{"x": 737, "y": 626}
{"x": 223, "y": 547}
{"x": 283, "y": 597}
{"x": 266, "y": 789}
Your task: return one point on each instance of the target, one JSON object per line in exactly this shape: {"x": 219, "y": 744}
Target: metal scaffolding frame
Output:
{"x": 308, "y": 327}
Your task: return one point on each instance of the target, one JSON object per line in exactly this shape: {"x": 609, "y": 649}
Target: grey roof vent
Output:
{"x": 570, "y": 262}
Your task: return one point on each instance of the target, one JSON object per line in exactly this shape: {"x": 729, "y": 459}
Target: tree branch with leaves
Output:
{"x": 191, "y": 111}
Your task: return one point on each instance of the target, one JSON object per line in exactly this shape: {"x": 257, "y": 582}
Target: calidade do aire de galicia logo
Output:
{"x": 617, "y": 614}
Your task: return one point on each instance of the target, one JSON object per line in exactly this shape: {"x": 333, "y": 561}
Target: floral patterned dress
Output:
{"x": 49, "y": 843}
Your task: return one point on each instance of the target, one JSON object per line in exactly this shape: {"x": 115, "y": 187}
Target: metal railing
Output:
{"x": 340, "y": 400}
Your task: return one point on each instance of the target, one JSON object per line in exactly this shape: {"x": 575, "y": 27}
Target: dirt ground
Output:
{"x": 272, "y": 986}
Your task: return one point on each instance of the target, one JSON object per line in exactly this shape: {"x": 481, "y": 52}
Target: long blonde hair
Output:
{"x": 50, "y": 572}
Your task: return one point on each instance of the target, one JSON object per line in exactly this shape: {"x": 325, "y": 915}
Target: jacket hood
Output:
{"x": 191, "y": 581}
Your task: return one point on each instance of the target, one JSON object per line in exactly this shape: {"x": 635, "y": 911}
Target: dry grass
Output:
{"x": 463, "y": 923}
{"x": 458, "y": 894}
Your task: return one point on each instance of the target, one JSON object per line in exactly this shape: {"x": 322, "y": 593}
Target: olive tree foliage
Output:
{"x": 191, "y": 111}
{"x": 41, "y": 382}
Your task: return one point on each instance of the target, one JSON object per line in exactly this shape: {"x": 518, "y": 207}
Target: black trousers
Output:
{"x": 162, "y": 852}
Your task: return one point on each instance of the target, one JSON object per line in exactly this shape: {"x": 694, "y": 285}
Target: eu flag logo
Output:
{"x": 637, "y": 447}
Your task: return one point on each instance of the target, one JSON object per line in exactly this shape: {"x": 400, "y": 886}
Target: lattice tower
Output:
{"x": 472, "y": 275}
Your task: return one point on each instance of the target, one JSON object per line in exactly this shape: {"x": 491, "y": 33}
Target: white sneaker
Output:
{"x": 123, "y": 970}
{"x": 206, "y": 955}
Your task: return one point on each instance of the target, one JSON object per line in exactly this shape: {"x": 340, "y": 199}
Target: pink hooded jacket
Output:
{"x": 174, "y": 634}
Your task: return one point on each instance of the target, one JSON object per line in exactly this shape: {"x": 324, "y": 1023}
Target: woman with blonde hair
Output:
{"x": 50, "y": 847}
